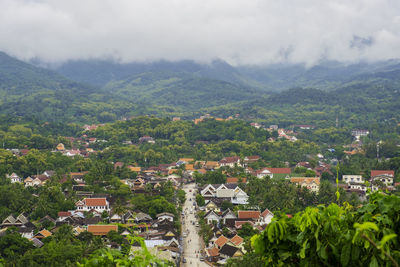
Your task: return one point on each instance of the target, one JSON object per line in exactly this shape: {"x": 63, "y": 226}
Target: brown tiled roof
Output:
{"x": 279, "y": 170}
{"x": 92, "y": 202}
{"x": 101, "y": 229}
{"x": 222, "y": 240}
{"x": 64, "y": 214}
{"x": 265, "y": 212}
{"x": 248, "y": 214}
{"x": 213, "y": 252}
{"x": 237, "y": 240}
{"x": 230, "y": 159}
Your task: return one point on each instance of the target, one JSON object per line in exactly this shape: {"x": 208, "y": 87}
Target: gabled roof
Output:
{"x": 9, "y": 220}
{"x": 99, "y": 229}
{"x": 21, "y": 219}
{"x": 382, "y": 172}
{"x": 165, "y": 214}
{"x": 43, "y": 234}
{"x": 212, "y": 252}
{"x": 222, "y": 240}
{"x": 248, "y": 214}
{"x": 93, "y": 202}
{"x": 230, "y": 160}
{"x": 237, "y": 240}
{"x": 211, "y": 213}
{"x": 266, "y": 212}
{"x": 226, "y": 212}
{"x": 228, "y": 250}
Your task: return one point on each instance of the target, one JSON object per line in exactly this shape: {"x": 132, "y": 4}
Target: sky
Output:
{"x": 244, "y": 32}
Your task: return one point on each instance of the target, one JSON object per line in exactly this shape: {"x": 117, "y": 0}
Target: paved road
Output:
{"x": 192, "y": 243}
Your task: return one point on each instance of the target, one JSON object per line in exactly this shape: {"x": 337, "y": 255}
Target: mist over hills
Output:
{"x": 103, "y": 91}
{"x": 273, "y": 78}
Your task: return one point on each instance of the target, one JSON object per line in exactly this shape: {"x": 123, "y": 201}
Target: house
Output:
{"x": 212, "y": 254}
{"x": 97, "y": 204}
{"x": 101, "y": 230}
{"x": 312, "y": 183}
{"x": 274, "y": 173}
{"x": 116, "y": 218}
{"x": 221, "y": 241}
{"x": 266, "y": 217}
{"x": 237, "y": 241}
{"x": 230, "y": 162}
{"x": 227, "y": 214}
{"x": 146, "y": 139}
{"x": 134, "y": 218}
{"x": 14, "y": 178}
{"x": 239, "y": 197}
{"x": 229, "y": 251}
{"x": 60, "y": 147}
{"x": 211, "y": 165}
{"x": 211, "y": 206}
{"x": 352, "y": 179}
{"x": 165, "y": 216}
{"x": 235, "y": 180}
{"x": 28, "y": 181}
{"x": 211, "y": 216}
{"x": 18, "y": 221}
{"x": 43, "y": 234}
{"x": 250, "y": 159}
{"x": 385, "y": 176}
{"x": 249, "y": 215}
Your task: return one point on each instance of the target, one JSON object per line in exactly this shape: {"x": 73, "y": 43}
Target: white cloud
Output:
{"x": 240, "y": 32}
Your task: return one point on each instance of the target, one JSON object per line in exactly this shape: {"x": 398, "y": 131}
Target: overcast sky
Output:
{"x": 240, "y": 32}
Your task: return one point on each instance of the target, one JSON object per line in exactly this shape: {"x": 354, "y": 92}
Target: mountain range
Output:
{"x": 101, "y": 91}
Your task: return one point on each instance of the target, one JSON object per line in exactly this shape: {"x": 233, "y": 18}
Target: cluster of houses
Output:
{"x": 379, "y": 179}
{"x": 34, "y": 180}
{"x": 92, "y": 215}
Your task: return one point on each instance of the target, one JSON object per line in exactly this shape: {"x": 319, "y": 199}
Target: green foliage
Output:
{"x": 334, "y": 235}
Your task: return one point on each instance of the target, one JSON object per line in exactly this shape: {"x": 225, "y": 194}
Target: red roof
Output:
{"x": 266, "y": 212}
{"x": 213, "y": 252}
{"x": 234, "y": 180}
{"x": 64, "y": 214}
{"x": 91, "y": 202}
{"x": 237, "y": 240}
{"x": 222, "y": 240}
{"x": 230, "y": 159}
{"x": 248, "y": 214}
{"x": 385, "y": 172}
{"x": 238, "y": 224}
{"x": 280, "y": 170}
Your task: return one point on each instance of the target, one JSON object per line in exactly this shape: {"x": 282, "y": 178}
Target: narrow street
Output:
{"x": 192, "y": 244}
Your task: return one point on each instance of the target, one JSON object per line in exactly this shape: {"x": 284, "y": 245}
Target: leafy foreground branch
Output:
{"x": 113, "y": 257}
{"x": 333, "y": 236}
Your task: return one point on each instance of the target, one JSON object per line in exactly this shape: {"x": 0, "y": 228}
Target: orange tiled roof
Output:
{"x": 91, "y": 202}
{"x": 101, "y": 229}
{"x": 213, "y": 252}
{"x": 237, "y": 240}
{"x": 135, "y": 169}
{"x": 44, "y": 233}
{"x": 222, "y": 240}
{"x": 248, "y": 214}
{"x": 235, "y": 180}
